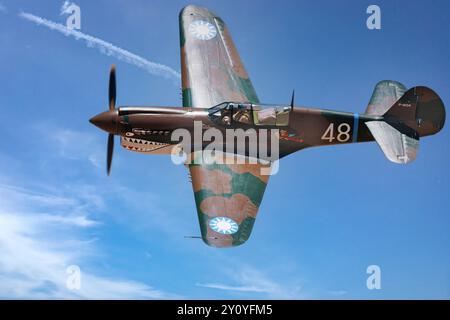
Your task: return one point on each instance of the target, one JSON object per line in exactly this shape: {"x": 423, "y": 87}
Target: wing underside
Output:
{"x": 227, "y": 196}
{"x": 212, "y": 71}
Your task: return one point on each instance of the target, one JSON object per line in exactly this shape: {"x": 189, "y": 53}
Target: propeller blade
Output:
{"x": 110, "y": 152}
{"x": 292, "y": 100}
{"x": 112, "y": 88}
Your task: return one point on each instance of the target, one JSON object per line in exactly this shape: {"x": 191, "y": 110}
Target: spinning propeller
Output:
{"x": 112, "y": 107}
{"x": 108, "y": 120}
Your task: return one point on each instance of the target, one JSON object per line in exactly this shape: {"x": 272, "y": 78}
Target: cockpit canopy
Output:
{"x": 228, "y": 113}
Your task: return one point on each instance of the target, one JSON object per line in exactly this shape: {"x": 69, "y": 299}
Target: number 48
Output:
{"x": 343, "y": 133}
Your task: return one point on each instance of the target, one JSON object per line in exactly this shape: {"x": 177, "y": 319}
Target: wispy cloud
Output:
{"x": 2, "y": 7}
{"x": 253, "y": 280}
{"x": 46, "y": 227}
{"x": 78, "y": 220}
{"x": 146, "y": 209}
{"x": 69, "y": 146}
{"x": 36, "y": 249}
{"x": 232, "y": 288}
{"x": 106, "y": 48}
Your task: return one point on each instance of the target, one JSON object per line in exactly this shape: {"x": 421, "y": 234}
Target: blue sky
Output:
{"x": 327, "y": 215}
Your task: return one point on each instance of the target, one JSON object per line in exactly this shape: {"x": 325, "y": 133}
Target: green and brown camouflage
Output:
{"x": 218, "y": 93}
{"x": 208, "y": 63}
{"x": 227, "y": 190}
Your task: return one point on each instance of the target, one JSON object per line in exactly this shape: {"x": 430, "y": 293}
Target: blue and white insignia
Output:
{"x": 202, "y": 30}
{"x": 223, "y": 225}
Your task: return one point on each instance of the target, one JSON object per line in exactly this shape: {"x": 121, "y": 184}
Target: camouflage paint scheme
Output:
{"x": 212, "y": 73}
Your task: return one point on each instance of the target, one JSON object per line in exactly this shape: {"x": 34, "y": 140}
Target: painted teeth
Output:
{"x": 133, "y": 148}
{"x": 144, "y": 142}
{"x": 140, "y": 145}
{"x": 139, "y": 149}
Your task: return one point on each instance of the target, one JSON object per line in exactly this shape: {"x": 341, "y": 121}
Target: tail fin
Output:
{"x": 385, "y": 94}
{"x": 418, "y": 112}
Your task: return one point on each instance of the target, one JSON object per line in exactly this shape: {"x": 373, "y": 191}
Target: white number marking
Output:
{"x": 328, "y": 134}
{"x": 343, "y": 133}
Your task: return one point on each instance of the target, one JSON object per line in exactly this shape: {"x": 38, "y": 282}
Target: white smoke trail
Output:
{"x": 106, "y": 48}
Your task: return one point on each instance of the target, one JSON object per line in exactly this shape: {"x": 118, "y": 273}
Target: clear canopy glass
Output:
{"x": 248, "y": 113}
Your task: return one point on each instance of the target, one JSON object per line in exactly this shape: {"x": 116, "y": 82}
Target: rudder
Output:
{"x": 420, "y": 109}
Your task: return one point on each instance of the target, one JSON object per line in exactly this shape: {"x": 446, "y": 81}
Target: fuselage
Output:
{"x": 295, "y": 128}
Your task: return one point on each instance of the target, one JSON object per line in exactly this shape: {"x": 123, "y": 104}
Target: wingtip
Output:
{"x": 191, "y": 9}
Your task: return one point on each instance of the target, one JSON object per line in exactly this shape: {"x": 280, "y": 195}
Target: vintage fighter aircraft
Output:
{"x": 217, "y": 90}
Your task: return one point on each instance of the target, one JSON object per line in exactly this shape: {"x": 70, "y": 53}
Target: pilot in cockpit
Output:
{"x": 241, "y": 113}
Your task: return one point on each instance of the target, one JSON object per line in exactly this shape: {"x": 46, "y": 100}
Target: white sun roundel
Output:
{"x": 202, "y": 30}
{"x": 223, "y": 225}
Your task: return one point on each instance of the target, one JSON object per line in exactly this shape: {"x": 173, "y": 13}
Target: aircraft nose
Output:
{"x": 106, "y": 121}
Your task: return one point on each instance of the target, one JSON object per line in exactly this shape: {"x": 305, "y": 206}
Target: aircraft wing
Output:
{"x": 227, "y": 196}
{"x": 211, "y": 69}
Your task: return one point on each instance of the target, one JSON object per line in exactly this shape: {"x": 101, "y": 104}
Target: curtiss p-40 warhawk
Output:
{"x": 217, "y": 91}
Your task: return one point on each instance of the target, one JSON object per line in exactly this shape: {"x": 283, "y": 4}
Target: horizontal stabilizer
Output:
{"x": 397, "y": 146}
